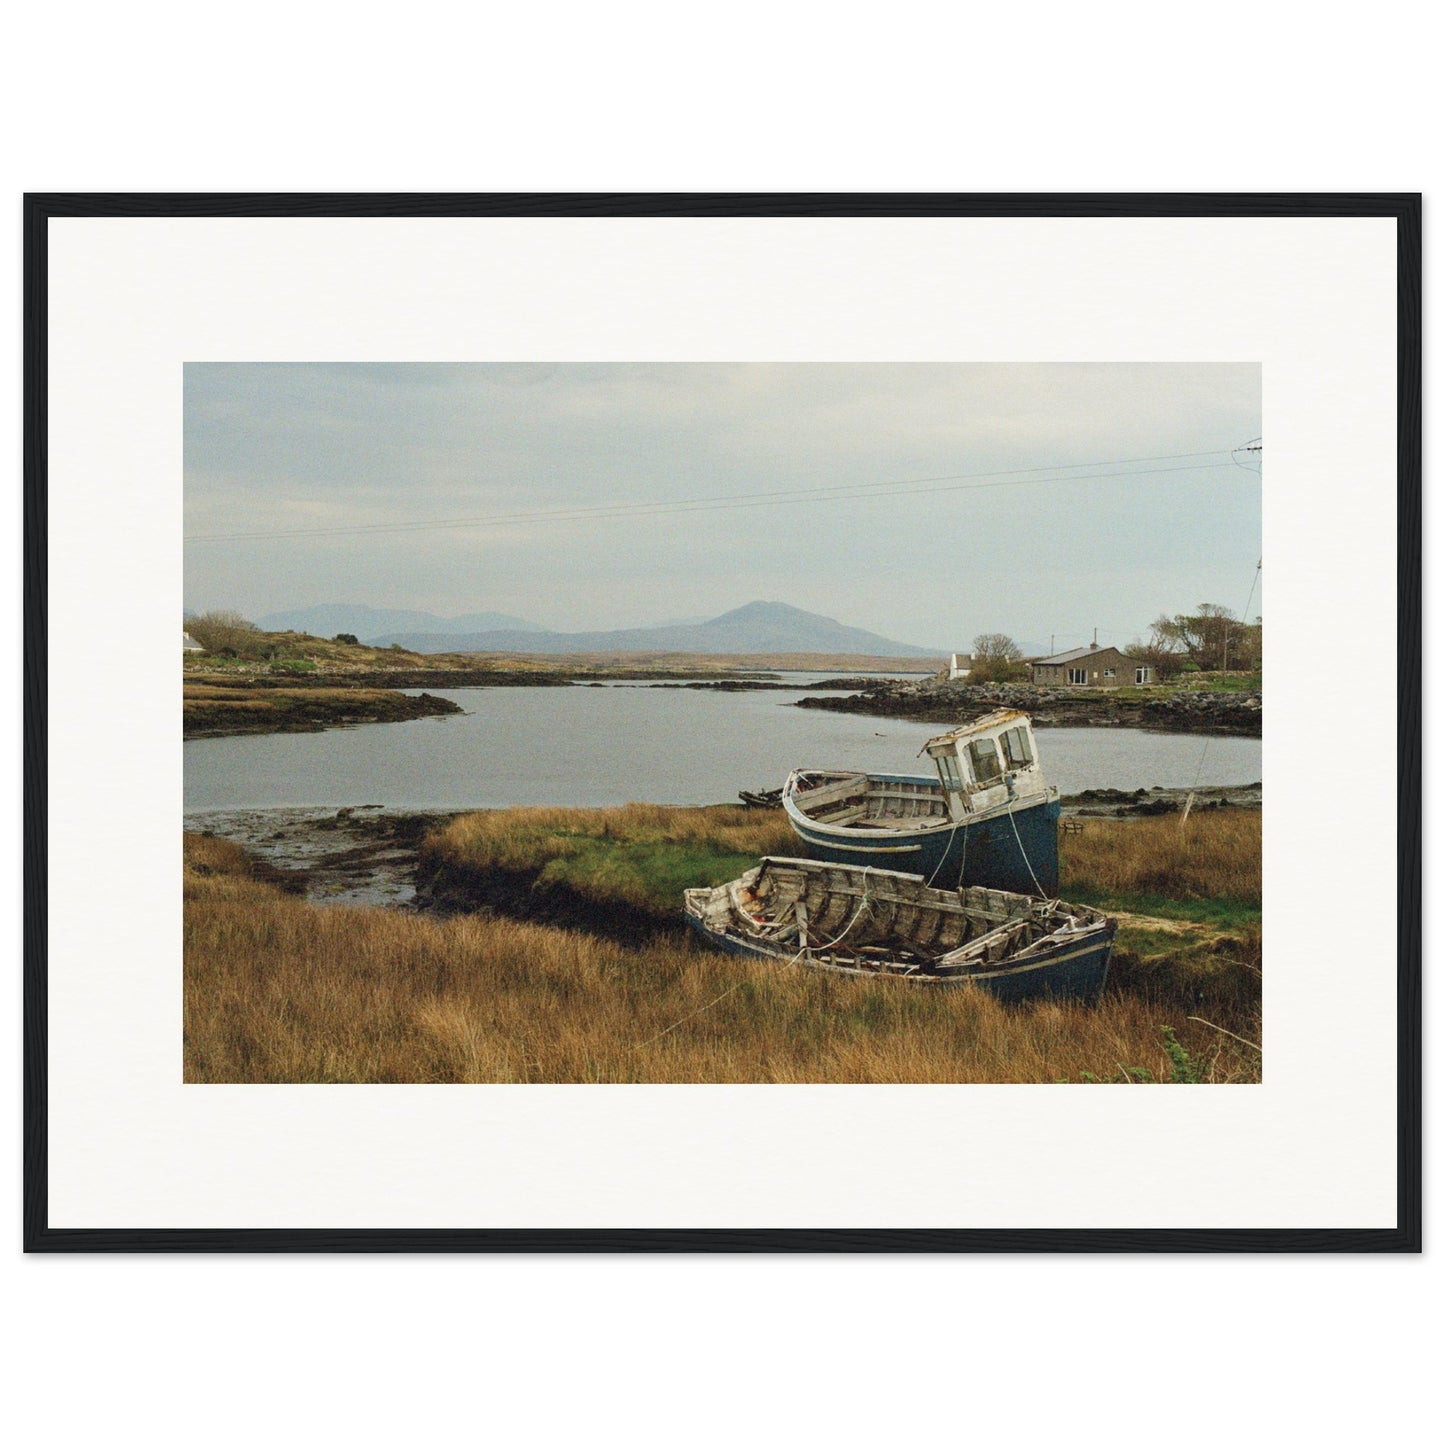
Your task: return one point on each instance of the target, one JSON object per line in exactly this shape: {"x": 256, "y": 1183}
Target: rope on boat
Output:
{"x": 948, "y": 848}
{"x": 697, "y": 1011}
{"x": 863, "y": 903}
{"x": 1027, "y": 862}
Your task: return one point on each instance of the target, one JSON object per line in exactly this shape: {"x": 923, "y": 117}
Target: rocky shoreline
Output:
{"x": 748, "y": 684}
{"x": 936, "y": 700}
{"x": 214, "y": 711}
{"x": 230, "y": 702}
{"x": 365, "y": 855}
{"x": 368, "y": 855}
{"x": 1155, "y": 802}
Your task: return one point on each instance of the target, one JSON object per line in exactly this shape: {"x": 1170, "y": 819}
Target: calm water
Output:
{"x": 589, "y": 746}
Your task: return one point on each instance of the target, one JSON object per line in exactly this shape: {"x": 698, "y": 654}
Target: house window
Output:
{"x": 1078, "y": 676}
{"x": 1016, "y": 748}
{"x": 985, "y": 760}
{"x": 1108, "y": 672}
{"x": 1143, "y": 675}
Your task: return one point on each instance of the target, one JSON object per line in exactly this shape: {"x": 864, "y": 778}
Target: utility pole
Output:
{"x": 1255, "y": 447}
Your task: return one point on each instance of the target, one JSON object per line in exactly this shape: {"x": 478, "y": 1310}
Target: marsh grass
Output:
{"x": 278, "y": 991}
{"x": 1207, "y": 866}
{"x": 642, "y": 855}
{"x": 209, "y": 697}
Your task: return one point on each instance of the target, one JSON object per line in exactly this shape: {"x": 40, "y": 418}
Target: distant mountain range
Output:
{"x": 756, "y": 627}
{"x": 370, "y": 623}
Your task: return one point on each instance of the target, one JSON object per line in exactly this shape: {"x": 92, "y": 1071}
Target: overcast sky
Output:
{"x": 952, "y": 527}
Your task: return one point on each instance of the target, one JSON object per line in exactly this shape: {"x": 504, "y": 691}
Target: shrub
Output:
{"x": 226, "y": 632}
{"x": 998, "y": 669}
{"x": 1182, "y": 1069}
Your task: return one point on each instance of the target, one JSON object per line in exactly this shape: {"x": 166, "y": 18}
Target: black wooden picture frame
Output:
{"x": 1404, "y": 1236}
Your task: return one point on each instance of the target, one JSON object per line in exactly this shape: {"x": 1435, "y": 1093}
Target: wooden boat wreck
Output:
{"x": 762, "y": 797}
{"x": 988, "y": 818}
{"x": 873, "y": 922}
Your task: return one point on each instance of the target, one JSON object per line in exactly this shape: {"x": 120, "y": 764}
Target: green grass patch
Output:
{"x": 1240, "y": 682}
{"x": 1136, "y": 694}
{"x": 1222, "y": 913}
{"x": 646, "y": 875}
{"x": 1148, "y": 943}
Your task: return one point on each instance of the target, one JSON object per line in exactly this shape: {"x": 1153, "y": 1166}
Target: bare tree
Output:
{"x": 996, "y": 658}
{"x": 996, "y": 647}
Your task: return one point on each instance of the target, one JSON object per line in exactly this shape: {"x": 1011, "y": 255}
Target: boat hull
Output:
{"x": 1014, "y": 849}
{"x": 1075, "y": 971}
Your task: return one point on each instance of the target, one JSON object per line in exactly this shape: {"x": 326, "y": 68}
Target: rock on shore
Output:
{"x": 953, "y": 703}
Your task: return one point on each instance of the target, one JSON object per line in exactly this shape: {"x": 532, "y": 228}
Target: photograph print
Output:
{"x": 723, "y": 724}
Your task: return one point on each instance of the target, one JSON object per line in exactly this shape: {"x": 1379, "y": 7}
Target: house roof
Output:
{"x": 1074, "y": 654}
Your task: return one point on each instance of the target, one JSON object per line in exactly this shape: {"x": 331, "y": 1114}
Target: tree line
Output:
{"x": 1209, "y": 639}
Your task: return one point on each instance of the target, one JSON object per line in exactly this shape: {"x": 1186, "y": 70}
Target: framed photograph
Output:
{"x": 722, "y": 722}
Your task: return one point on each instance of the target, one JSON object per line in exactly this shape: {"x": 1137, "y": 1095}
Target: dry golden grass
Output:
{"x": 520, "y": 837}
{"x": 209, "y": 695}
{"x": 224, "y": 866}
{"x": 1213, "y": 855}
{"x": 278, "y": 991}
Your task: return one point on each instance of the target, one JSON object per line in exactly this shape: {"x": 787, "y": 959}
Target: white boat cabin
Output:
{"x": 988, "y": 763}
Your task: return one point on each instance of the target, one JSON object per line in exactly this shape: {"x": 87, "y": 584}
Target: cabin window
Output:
{"x": 1078, "y": 676}
{"x": 1016, "y": 748}
{"x": 985, "y": 760}
{"x": 1108, "y": 672}
{"x": 1143, "y": 675}
{"x": 949, "y": 771}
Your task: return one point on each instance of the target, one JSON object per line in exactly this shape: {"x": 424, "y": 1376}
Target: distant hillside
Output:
{"x": 759, "y": 627}
{"x": 370, "y": 623}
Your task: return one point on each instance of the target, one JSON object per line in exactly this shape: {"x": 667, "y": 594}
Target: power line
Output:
{"x": 1257, "y": 445}
{"x": 844, "y": 491}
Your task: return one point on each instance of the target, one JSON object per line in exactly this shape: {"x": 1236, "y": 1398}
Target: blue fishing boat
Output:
{"x": 987, "y": 819}
{"x": 871, "y": 922}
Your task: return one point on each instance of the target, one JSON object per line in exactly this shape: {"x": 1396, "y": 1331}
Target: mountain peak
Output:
{"x": 755, "y": 611}
{"x": 755, "y": 627}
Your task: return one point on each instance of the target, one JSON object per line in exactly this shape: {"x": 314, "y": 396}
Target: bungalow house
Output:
{"x": 189, "y": 643}
{"x": 960, "y": 665}
{"x": 1091, "y": 666}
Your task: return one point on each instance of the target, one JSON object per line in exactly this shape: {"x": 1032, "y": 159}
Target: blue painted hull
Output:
{"x": 1016, "y": 850}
